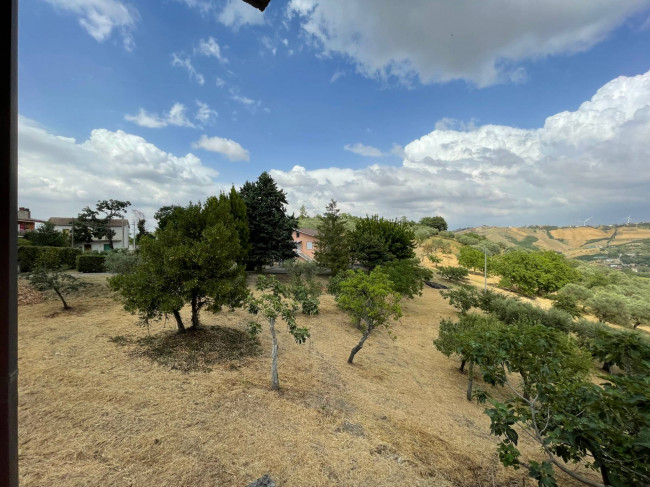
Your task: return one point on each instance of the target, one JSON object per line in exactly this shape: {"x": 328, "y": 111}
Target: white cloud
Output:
{"x": 185, "y": 63}
{"x": 210, "y": 47}
{"x": 336, "y": 76}
{"x": 204, "y": 114}
{"x": 58, "y": 176}
{"x": 269, "y": 45}
{"x": 220, "y": 82}
{"x": 251, "y": 104}
{"x": 237, "y": 14}
{"x": 101, "y": 17}
{"x": 176, "y": 116}
{"x": 593, "y": 160}
{"x": 363, "y": 150}
{"x": 203, "y": 6}
{"x": 229, "y": 148}
{"x": 438, "y": 40}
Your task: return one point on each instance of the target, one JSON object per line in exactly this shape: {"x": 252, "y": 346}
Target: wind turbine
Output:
{"x": 628, "y": 219}
{"x": 584, "y": 222}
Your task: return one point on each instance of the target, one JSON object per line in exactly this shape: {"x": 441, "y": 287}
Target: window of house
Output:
{"x": 297, "y": 234}
{"x": 310, "y": 245}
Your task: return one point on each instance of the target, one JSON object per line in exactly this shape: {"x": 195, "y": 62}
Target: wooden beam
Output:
{"x": 8, "y": 243}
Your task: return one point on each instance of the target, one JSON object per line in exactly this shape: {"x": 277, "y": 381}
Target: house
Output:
{"x": 25, "y": 221}
{"x": 305, "y": 240}
{"x": 120, "y": 226}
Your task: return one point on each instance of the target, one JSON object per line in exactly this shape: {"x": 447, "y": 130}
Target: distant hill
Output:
{"x": 571, "y": 241}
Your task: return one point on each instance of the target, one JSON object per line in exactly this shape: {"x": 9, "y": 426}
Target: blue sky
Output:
{"x": 419, "y": 110}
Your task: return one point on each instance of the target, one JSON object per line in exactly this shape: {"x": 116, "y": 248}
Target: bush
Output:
{"x": 455, "y": 274}
{"x": 334, "y": 284}
{"x": 91, "y": 263}
{"x": 463, "y": 298}
{"x": 610, "y": 307}
{"x": 120, "y": 261}
{"x": 28, "y": 255}
{"x": 310, "y": 306}
{"x": 407, "y": 276}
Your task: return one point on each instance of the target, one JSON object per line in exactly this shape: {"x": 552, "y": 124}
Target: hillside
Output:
{"x": 571, "y": 241}
{"x": 100, "y": 404}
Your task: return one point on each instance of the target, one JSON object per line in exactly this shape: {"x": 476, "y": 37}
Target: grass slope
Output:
{"x": 96, "y": 408}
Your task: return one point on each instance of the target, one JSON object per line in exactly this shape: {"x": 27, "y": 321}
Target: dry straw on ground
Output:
{"x": 97, "y": 409}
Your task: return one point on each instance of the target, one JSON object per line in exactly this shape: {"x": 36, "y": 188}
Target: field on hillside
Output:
{"x": 102, "y": 403}
{"x": 571, "y": 241}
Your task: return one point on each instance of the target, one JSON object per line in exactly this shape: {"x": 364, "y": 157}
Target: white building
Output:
{"x": 119, "y": 226}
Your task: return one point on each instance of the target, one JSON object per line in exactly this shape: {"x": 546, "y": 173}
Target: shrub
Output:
{"x": 91, "y": 263}
{"x": 610, "y": 307}
{"x": 120, "y": 262}
{"x": 48, "y": 275}
{"x": 310, "y": 306}
{"x": 463, "y": 298}
{"x": 407, "y": 276}
{"x": 28, "y": 255}
{"x": 455, "y": 274}
{"x": 334, "y": 284}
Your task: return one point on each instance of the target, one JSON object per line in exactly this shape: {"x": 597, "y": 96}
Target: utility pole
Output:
{"x": 485, "y": 268}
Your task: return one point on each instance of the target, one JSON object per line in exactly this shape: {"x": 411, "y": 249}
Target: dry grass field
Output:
{"x": 104, "y": 402}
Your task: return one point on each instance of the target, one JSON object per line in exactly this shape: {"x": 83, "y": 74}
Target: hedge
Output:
{"x": 28, "y": 254}
{"x": 91, "y": 263}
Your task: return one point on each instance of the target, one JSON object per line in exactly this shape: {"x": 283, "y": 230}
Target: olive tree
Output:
{"x": 272, "y": 304}
{"x": 371, "y": 301}
{"x": 48, "y": 275}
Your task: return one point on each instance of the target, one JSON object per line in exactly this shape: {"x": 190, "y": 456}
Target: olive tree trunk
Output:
{"x": 179, "y": 321}
{"x": 470, "y": 380}
{"x": 195, "y": 313}
{"x": 462, "y": 366}
{"x": 275, "y": 381}
{"x": 359, "y": 345}
{"x": 58, "y": 293}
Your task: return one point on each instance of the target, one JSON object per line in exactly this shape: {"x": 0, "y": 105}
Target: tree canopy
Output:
{"x": 332, "y": 250}
{"x": 436, "y": 222}
{"x": 270, "y": 227}
{"x": 193, "y": 259}
{"x": 47, "y": 236}
{"x": 375, "y": 241}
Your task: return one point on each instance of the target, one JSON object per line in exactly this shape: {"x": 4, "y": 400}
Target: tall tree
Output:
{"x": 270, "y": 227}
{"x": 193, "y": 259}
{"x": 436, "y": 222}
{"x": 91, "y": 222}
{"x": 238, "y": 210}
{"x": 332, "y": 250}
{"x": 375, "y": 241}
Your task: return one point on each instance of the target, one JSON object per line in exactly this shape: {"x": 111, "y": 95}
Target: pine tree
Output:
{"x": 332, "y": 249}
{"x": 270, "y": 227}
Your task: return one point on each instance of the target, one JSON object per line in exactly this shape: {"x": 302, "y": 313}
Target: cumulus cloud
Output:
{"x": 438, "y": 41}
{"x": 593, "y": 160}
{"x": 101, "y": 17}
{"x": 58, "y": 176}
{"x": 210, "y": 47}
{"x": 227, "y": 147}
{"x": 185, "y": 63}
{"x": 176, "y": 116}
{"x": 237, "y": 14}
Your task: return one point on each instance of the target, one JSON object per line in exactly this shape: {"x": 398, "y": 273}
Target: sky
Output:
{"x": 487, "y": 112}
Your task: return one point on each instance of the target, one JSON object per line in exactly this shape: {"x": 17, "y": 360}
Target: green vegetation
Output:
{"x": 270, "y": 228}
{"x": 371, "y": 301}
{"x": 48, "y": 275}
{"x": 97, "y": 223}
{"x": 375, "y": 241}
{"x": 527, "y": 242}
{"x": 28, "y": 255}
{"x": 407, "y": 276}
{"x": 534, "y": 273}
{"x": 436, "y": 222}
{"x": 193, "y": 259}
{"x": 47, "y": 236}
{"x": 453, "y": 274}
{"x": 274, "y": 303}
{"x": 332, "y": 250}
{"x": 91, "y": 263}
